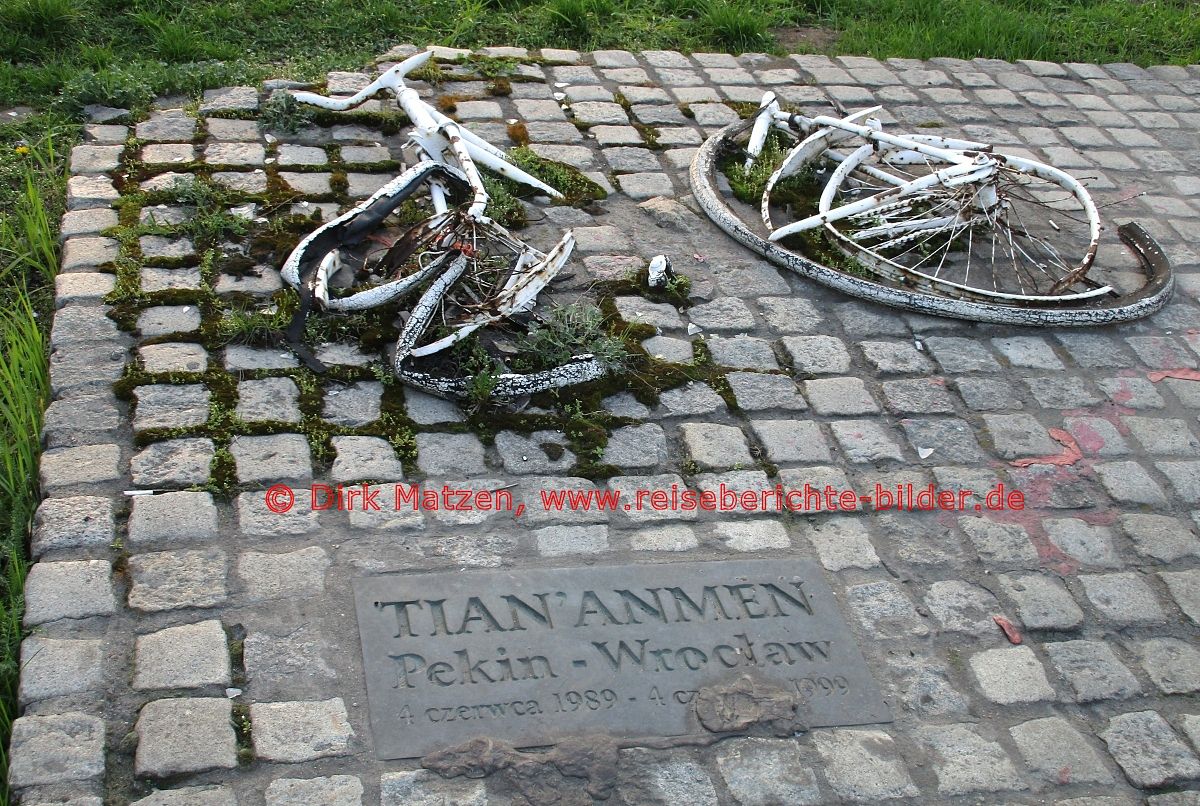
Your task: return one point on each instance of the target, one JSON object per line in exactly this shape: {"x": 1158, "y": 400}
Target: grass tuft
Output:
{"x": 28, "y": 263}
{"x": 736, "y": 25}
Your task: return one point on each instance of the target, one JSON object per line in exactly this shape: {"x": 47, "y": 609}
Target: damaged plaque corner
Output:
{"x": 744, "y": 706}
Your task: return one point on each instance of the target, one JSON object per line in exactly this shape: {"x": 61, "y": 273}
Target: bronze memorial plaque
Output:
{"x": 536, "y": 655}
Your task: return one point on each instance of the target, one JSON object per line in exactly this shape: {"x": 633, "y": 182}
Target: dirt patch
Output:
{"x": 805, "y": 39}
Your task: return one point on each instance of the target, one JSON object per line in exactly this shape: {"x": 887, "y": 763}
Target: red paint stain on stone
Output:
{"x": 1182, "y": 374}
{"x": 1069, "y": 456}
{"x": 1089, "y": 438}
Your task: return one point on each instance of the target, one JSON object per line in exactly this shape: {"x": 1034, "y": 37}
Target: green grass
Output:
{"x": 1152, "y": 32}
{"x": 123, "y": 53}
{"x": 30, "y": 193}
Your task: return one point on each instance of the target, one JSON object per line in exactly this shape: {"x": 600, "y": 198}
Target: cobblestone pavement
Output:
{"x": 145, "y": 611}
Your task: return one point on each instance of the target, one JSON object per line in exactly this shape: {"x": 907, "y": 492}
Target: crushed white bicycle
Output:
{"x": 927, "y": 223}
{"x": 462, "y": 269}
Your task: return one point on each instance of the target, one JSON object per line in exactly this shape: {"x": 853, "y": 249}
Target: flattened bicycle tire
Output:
{"x": 1146, "y": 300}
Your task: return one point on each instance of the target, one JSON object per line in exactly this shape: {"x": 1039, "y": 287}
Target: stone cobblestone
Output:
{"x": 294, "y": 732}
{"x": 1093, "y": 670}
{"x": 1013, "y": 675}
{"x": 170, "y": 580}
{"x": 57, "y": 668}
{"x": 68, "y": 590}
{"x": 864, "y": 765}
{"x": 189, "y": 656}
{"x": 183, "y": 736}
{"x": 1148, "y": 750}
{"x": 966, "y": 762}
{"x": 55, "y": 749}
{"x": 1098, "y": 573}
{"x": 72, "y": 523}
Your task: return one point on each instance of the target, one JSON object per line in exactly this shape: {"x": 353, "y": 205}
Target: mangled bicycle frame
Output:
{"x": 463, "y": 257}
{"x": 940, "y": 225}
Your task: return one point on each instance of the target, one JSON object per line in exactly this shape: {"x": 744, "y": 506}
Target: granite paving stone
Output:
{"x": 425, "y": 788}
{"x": 185, "y": 735}
{"x": 639, "y": 447}
{"x": 355, "y": 405}
{"x": 962, "y": 607}
{"x": 172, "y": 580}
{"x": 271, "y": 459}
{"x": 865, "y": 441}
{"x": 59, "y": 667}
{"x": 817, "y": 355}
{"x": 667, "y": 348}
{"x": 895, "y": 358}
{"x": 1123, "y": 598}
{"x": 360, "y": 458}
{"x": 791, "y": 441}
{"x": 72, "y": 523}
{"x": 966, "y": 762}
{"x": 178, "y": 517}
{"x": 1093, "y": 670}
{"x": 841, "y": 543}
{"x": 56, "y": 748}
{"x": 189, "y": 656}
{"x": 332, "y": 790}
{"x": 958, "y": 355}
{"x": 1019, "y": 435}
{"x": 917, "y": 396}
{"x": 1173, "y": 665}
{"x": 988, "y": 394}
{"x": 1010, "y": 676}
{"x": 1163, "y": 538}
{"x": 294, "y": 732}
{"x": 942, "y": 439}
{"x": 714, "y": 446}
{"x": 1148, "y": 750}
{"x": 999, "y": 543}
{"x": 864, "y": 765}
{"x": 68, "y": 590}
{"x": 1043, "y": 603}
{"x": 275, "y": 399}
{"x": 1185, "y": 590}
{"x": 450, "y": 454}
{"x": 1058, "y": 753}
{"x": 725, "y": 313}
{"x": 885, "y": 611}
{"x": 760, "y": 391}
{"x": 639, "y": 311}
{"x": 766, "y": 771}
{"x": 1130, "y": 483}
{"x": 839, "y": 396}
{"x": 168, "y": 406}
{"x": 299, "y": 574}
{"x": 742, "y": 352}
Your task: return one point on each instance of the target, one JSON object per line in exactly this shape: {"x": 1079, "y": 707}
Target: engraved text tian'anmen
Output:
{"x": 618, "y": 607}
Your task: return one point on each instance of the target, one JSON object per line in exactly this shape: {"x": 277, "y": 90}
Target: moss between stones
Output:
{"x": 243, "y": 729}
{"x": 578, "y": 412}
{"x": 518, "y": 133}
